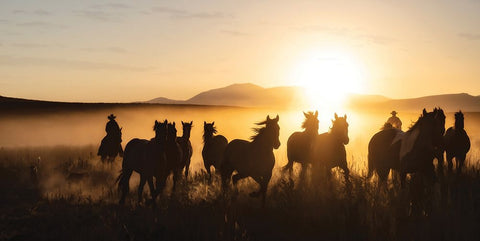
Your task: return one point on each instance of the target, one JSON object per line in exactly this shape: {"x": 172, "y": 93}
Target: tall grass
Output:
{"x": 55, "y": 207}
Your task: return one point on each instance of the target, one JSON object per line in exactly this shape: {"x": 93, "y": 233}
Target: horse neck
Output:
{"x": 310, "y": 132}
{"x": 261, "y": 141}
{"x": 159, "y": 139}
{"x": 459, "y": 124}
{"x": 186, "y": 135}
{"x": 207, "y": 136}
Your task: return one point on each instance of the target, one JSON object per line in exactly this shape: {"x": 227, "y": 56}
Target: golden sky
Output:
{"x": 139, "y": 50}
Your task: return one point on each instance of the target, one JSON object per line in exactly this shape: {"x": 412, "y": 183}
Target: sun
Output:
{"x": 328, "y": 76}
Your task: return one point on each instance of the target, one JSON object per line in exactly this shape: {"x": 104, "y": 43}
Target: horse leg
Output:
{"x": 143, "y": 180}
{"x": 226, "y": 172}
{"x": 123, "y": 184}
{"x": 461, "y": 162}
{"x": 187, "y": 167}
{"x": 289, "y": 167}
{"x": 207, "y": 167}
{"x": 152, "y": 190}
{"x": 176, "y": 177}
{"x": 264, "y": 186}
{"x": 450, "y": 162}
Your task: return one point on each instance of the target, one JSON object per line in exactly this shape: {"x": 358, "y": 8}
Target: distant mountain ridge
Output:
{"x": 250, "y": 95}
{"x": 245, "y": 95}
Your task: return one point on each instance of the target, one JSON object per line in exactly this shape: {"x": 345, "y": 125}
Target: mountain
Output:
{"x": 250, "y": 95}
{"x": 245, "y": 95}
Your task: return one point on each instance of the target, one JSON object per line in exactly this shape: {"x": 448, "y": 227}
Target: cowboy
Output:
{"x": 112, "y": 127}
{"x": 395, "y": 121}
{"x": 114, "y": 135}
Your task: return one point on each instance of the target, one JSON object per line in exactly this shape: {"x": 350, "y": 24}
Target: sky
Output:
{"x": 121, "y": 51}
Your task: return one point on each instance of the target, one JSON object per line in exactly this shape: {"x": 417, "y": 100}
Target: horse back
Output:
{"x": 299, "y": 146}
{"x": 381, "y": 150}
{"x": 328, "y": 152}
{"x": 214, "y": 149}
{"x": 456, "y": 141}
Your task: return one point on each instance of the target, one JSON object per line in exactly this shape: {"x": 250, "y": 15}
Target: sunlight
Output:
{"x": 328, "y": 76}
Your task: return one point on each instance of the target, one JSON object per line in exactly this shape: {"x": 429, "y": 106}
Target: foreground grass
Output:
{"x": 54, "y": 207}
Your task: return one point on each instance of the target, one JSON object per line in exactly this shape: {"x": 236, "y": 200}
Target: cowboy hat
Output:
{"x": 111, "y": 117}
{"x": 393, "y": 112}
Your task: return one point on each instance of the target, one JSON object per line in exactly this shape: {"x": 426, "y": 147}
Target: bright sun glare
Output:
{"x": 328, "y": 76}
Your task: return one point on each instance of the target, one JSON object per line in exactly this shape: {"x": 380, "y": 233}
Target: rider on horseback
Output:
{"x": 113, "y": 138}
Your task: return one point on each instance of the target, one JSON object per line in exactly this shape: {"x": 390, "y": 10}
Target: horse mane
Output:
{"x": 259, "y": 130}
{"x": 419, "y": 120}
{"x": 207, "y": 134}
{"x": 386, "y": 126}
{"x": 459, "y": 120}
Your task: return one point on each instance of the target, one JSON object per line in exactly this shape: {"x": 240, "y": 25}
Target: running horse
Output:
{"x": 299, "y": 144}
{"x": 147, "y": 158}
{"x": 329, "y": 148}
{"x": 253, "y": 158}
{"x": 457, "y": 143}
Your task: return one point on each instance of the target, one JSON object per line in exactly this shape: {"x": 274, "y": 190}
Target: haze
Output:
{"x": 120, "y": 51}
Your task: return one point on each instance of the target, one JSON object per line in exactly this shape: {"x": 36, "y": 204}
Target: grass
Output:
{"x": 53, "y": 207}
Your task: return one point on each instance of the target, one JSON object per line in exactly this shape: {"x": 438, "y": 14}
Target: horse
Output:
{"x": 457, "y": 143}
{"x": 213, "y": 147}
{"x": 146, "y": 157}
{"x": 252, "y": 158}
{"x": 328, "y": 150}
{"x": 299, "y": 144}
{"x": 110, "y": 147}
{"x": 186, "y": 145}
{"x": 174, "y": 157}
{"x": 419, "y": 145}
{"x": 412, "y": 151}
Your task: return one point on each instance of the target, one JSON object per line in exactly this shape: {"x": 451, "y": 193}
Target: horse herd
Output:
{"x": 412, "y": 151}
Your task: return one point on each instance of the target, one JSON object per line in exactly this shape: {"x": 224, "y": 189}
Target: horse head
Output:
{"x": 187, "y": 127}
{"x": 160, "y": 129}
{"x": 459, "y": 121}
{"x": 171, "y": 131}
{"x": 310, "y": 124}
{"x": 340, "y": 128}
{"x": 271, "y": 131}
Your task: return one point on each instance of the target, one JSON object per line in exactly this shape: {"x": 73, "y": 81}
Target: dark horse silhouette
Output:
{"x": 213, "y": 147}
{"x": 457, "y": 143}
{"x": 146, "y": 158}
{"x": 407, "y": 152}
{"x": 252, "y": 159}
{"x": 299, "y": 144}
{"x": 329, "y": 148}
{"x": 186, "y": 145}
{"x": 110, "y": 147}
{"x": 111, "y": 144}
{"x": 173, "y": 154}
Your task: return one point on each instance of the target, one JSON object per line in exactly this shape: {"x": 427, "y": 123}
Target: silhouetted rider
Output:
{"x": 113, "y": 139}
{"x": 395, "y": 121}
{"x": 112, "y": 127}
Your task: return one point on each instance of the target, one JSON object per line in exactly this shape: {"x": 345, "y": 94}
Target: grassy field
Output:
{"x": 73, "y": 197}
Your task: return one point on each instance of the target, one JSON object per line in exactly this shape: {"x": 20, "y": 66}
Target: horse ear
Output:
{"x": 174, "y": 124}
{"x": 183, "y": 123}
{"x": 156, "y": 122}
{"x": 305, "y": 114}
{"x": 345, "y": 116}
{"x": 336, "y": 116}
{"x": 268, "y": 117}
{"x": 165, "y": 122}
{"x": 316, "y": 113}
{"x": 424, "y": 111}
{"x": 191, "y": 122}
{"x": 277, "y": 118}
{"x": 204, "y": 123}
{"x": 213, "y": 123}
